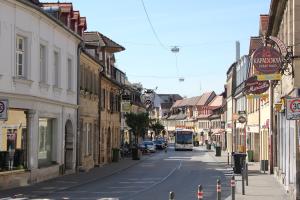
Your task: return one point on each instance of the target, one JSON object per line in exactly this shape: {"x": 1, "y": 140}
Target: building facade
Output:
{"x": 112, "y": 81}
{"x": 284, "y": 23}
{"x": 38, "y": 78}
{"x": 90, "y": 69}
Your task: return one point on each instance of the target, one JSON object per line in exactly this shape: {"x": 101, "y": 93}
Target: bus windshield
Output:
{"x": 184, "y": 137}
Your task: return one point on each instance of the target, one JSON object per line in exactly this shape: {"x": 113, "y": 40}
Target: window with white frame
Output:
{"x": 70, "y": 77}
{"x": 56, "y": 68}
{"x": 43, "y": 64}
{"x": 20, "y": 56}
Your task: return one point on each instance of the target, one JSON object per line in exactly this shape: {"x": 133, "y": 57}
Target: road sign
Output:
{"x": 3, "y": 109}
{"x": 293, "y": 108}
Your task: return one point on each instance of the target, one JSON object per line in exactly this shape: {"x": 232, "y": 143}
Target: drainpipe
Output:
{"x": 79, "y": 49}
{"x": 99, "y": 113}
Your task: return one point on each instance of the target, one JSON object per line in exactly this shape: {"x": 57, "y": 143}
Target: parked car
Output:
{"x": 159, "y": 144}
{"x": 150, "y": 146}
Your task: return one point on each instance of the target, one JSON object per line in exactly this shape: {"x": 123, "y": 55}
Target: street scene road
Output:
{"x": 97, "y": 98}
{"x": 153, "y": 178}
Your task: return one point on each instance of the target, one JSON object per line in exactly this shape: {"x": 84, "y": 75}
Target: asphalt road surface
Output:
{"x": 154, "y": 178}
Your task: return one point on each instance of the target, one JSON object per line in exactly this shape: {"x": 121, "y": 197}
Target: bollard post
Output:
{"x": 243, "y": 180}
{"x": 228, "y": 158}
{"x": 200, "y": 192}
{"x": 232, "y": 184}
{"x": 171, "y": 196}
{"x": 218, "y": 189}
{"x": 246, "y": 171}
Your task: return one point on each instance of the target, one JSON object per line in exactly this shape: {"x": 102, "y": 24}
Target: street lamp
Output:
{"x": 175, "y": 50}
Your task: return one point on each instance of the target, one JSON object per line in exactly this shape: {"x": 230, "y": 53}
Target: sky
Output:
{"x": 205, "y": 32}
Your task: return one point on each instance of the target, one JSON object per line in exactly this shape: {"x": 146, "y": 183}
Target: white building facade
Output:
{"x": 38, "y": 77}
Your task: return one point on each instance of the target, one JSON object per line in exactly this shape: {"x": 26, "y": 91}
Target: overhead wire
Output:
{"x": 152, "y": 27}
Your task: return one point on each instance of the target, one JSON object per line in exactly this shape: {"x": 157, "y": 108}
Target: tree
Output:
{"x": 157, "y": 127}
{"x": 138, "y": 122}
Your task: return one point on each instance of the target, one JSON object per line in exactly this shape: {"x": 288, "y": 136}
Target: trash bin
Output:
{"x": 135, "y": 154}
{"x": 208, "y": 146}
{"x": 116, "y": 153}
{"x": 264, "y": 165}
{"x": 239, "y": 160}
{"x": 218, "y": 151}
{"x": 250, "y": 155}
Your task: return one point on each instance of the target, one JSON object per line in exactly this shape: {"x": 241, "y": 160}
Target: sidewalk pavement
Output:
{"x": 260, "y": 185}
{"x": 69, "y": 181}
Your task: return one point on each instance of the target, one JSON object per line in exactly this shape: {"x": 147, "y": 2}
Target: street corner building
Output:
{"x": 38, "y": 80}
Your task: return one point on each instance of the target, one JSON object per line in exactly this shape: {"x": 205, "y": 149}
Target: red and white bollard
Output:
{"x": 200, "y": 192}
{"x": 218, "y": 189}
{"x": 232, "y": 184}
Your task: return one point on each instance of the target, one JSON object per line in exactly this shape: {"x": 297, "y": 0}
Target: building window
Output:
{"x": 88, "y": 139}
{"x": 43, "y": 63}
{"x": 87, "y": 134}
{"x": 70, "y": 75}
{"x": 45, "y": 141}
{"x": 20, "y": 56}
{"x": 56, "y": 68}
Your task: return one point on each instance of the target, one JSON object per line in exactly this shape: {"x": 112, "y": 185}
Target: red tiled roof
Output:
{"x": 93, "y": 36}
{"x": 177, "y": 103}
{"x": 217, "y": 101}
{"x": 65, "y": 7}
{"x": 204, "y": 98}
{"x": 263, "y": 24}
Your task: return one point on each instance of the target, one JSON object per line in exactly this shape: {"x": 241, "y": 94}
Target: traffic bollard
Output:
{"x": 200, "y": 192}
{"x": 218, "y": 189}
{"x": 243, "y": 180}
{"x": 172, "y": 196}
{"x": 232, "y": 184}
{"x": 228, "y": 158}
{"x": 246, "y": 173}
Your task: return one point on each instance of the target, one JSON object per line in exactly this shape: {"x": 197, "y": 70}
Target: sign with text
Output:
{"x": 3, "y": 109}
{"x": 271, "y": 77}
{"x": 253, "y": 86}
{"x": 293, "y": 108}
{"x": 266, "y": 60}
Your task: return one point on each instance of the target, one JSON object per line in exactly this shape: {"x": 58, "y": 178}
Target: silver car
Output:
{"x": 150, "y": 146}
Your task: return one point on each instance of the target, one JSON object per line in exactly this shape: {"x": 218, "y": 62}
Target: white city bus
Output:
{"x": 183, "y": 139}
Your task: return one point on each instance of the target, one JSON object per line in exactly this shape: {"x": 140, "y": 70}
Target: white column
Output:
{"x": 32, "y": 140}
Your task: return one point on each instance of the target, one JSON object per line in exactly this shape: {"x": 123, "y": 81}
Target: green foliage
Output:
{"x": 138, "y": 122}
{"x": 156, "y": 126}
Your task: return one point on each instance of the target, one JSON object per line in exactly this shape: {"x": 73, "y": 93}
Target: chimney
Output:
{"x": 237, "y": 50}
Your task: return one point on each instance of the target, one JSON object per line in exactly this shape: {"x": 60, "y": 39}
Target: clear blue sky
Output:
{"x": 205, "y": 31}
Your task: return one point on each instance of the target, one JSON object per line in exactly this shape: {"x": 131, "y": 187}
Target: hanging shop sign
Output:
{"x": 242, "y": 119}
{"x": 3, "y": 109}
{"x": 280, "y": 44}
{"x": 267, "y": 60}
{"x": 253, "y": 86}
{"x": 125, "y": 106}
{"x": 293, "y": 108}
{"x": 147, "y": 99}
{"x": 257, "y": 96}
{"x": 271, "y": 77}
